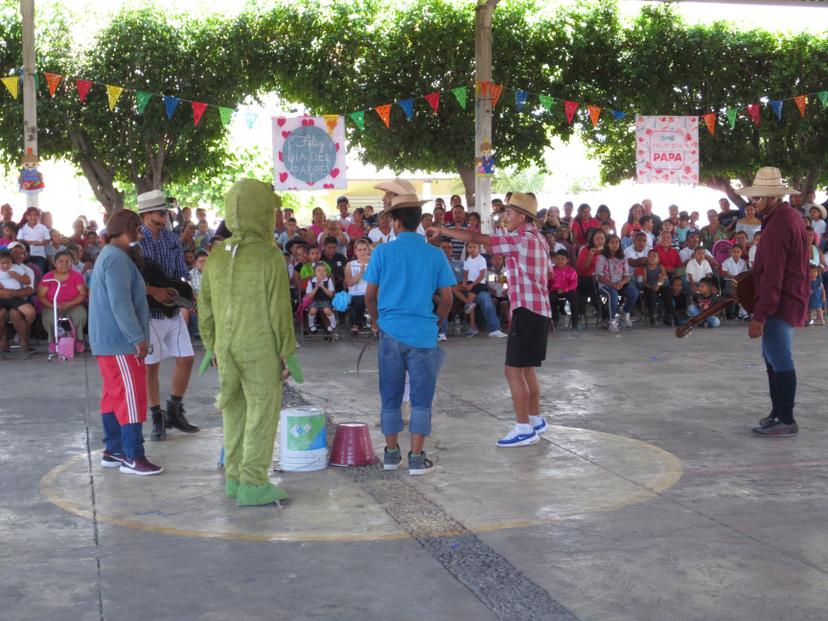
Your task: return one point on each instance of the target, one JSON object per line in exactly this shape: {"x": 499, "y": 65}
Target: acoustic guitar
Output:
{"x": 181, "y": 293}
{"x": 743, "y": 292}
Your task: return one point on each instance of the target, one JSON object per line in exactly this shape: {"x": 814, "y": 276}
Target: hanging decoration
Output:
{"x": 618, "y": 114}
{"x": 433, "y": 100}
{"x": 358, "y": 117}
{"x": 170, "y": 104}
{"x": 497, "y": 91}
{"x": 776, "y": 105}
{"x": 823, "y": 98}
{"x": 384, "y": 112}
{"x": 801, "y": 101}
{"x": 594, "y": 115}
{"x": 226, "y": 115}
{"x": 569, "y": 109}
{"x": 667, "y": 149}
{"x": 753, "y": 111}
{"x": 142, "y": 98}
{"x": 308, "y": 157}
{"x": 83, "y": 89}
{"x": 113, "y": 93}
{"x": 52, "y": 81}
{"x": 520, "y": 99}
{"x": 461, "y": 95}
{"x": 331, "y": 121}
{"x": 250, "y": 117}
{"x": 710, "y": 121}
{"x": 731, "y": 117}
{"x": 13, "y": 85}
{"x": 547, "y": 102}
{"x": 408, "y": 107}
{"x": 198, "y": 111}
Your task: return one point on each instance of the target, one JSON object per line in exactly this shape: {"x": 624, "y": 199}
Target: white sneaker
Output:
{"x": 497, "y": 334}
{"x": 613, "y": 326}
{"x": 441, "y": 337}
{"x": 517, "y": 438}
{"x": 627, "y": 320}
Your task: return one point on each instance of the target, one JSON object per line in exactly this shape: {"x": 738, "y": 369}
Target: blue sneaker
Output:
{"x": 391, "y": 459}
{"x": 541, "y": 427}
{"x": 516, "y": 438}
{"x": 418, "y": 464}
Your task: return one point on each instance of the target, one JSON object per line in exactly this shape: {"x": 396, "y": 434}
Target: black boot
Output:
{"x": 159, "y": 429}
{"x": 770, "y": 418}
{"x": 176, "y": 418}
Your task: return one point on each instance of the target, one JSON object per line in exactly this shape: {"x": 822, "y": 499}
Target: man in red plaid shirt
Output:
{"x": 527, "y": 271}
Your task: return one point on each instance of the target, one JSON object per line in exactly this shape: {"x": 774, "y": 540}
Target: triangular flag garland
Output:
{"x": 710, "y": 121}
{"x": 497, "y": 91}
{"x": 52, "y": 81}
{"x": 384, "y": 112}
{"x": 594, "y": 114}
{"x": 358, "y": 117}
{"x": 408, "y": 107}
{"x": 331, "y": 121}
{"x": 753, "y": 111}
{"x": 801, "y": 101}
{"x": 433, "y": 100}
{"x": 83, "y": 89}
{"x": 142, "y": 98}
{"x": 776, "y": 104}
{"x": 170, "y": 104}
{"x": 198, "y": 111}
{"x": 731, "y": 117}
{"x": 113, "y": 93}
{"x": 13, "y": 84}
{"x": 520, "y": 99}
{"x": 461, "y": 95}
{"x": 569, "y": 109}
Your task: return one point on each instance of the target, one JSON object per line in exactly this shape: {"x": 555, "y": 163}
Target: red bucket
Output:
{"x": 352, "y": 446}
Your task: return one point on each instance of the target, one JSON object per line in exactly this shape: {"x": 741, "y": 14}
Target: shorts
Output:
{"x": 321, "y": 305}
{"x": 526, "y": 345}
{"x": 124, "y": 389}
{"x": 169, "y": 338}
{"x": 12, "y": 303}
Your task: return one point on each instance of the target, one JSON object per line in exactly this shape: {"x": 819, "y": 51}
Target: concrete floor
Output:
{"x": 648, "y": 499}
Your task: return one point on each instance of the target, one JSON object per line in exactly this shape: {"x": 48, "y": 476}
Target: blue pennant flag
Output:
{"x": 618, "y": 114}
{"x": 250, "y": 117}
{"x": 170, "y": 103}
{"x": 520, "y": 99}
{"x": 408, "y": 107}
{"x": 776, "y": 104}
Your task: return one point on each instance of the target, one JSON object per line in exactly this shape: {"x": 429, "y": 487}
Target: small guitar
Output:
{"x": 744, "y": 293}
{"x": 181, "y": 293}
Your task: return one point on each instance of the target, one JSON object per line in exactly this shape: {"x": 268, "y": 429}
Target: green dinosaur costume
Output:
{"x": 244, "y": 315}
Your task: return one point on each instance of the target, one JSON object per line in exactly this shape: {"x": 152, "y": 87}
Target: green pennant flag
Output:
{"x": 141, "y": 100}
{"x": 546, "y": 101}
{"x": 731, "y": 117}
{"x": 823, "y": 98}
{"x": 226, "y": 114}
{"x": 358, "y": 118}
{"x": 460, "y": 94}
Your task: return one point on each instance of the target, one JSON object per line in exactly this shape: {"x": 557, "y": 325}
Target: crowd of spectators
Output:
{"x": 661, "y": 270}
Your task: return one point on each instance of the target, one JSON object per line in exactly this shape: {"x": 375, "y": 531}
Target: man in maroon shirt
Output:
{"x": 781, "y": 274}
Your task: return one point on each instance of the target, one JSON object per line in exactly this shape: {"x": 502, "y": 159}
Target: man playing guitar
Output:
{"x": 169, "y": 337}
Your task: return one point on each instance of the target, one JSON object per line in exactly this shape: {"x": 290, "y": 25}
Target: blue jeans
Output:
{"x": 710, "y": 322}
{"x": 777, "y": 344}
{"x": 423, "y": 365}
{"x": 122, "y": 439}
{"x": 487, "y": 307}
{"x": 630, "y": 293}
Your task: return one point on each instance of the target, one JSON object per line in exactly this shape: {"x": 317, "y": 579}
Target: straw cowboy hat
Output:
{"x": 153, "y": 200}
{"x": 525, "y": 204}
{"x": 768, "y": 182}
{"x": 397, "y": 186}
{"x": 823, "y": 213}
{"x": 402, "y": 200}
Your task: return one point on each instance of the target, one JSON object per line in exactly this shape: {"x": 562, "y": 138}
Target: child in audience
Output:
{"x": 563, "y": 285}
{"x": 668, "y": 227}
{"x": 703, "y": 299}
{"x": 321, "y": 290}
{"x": 678, "y": 300}
{"x": 9, "y": 233}
{"x": 697, "y": 268}
{"x": 92, "y": 248}
{"x": 655, "y": 287}
{"x": 203, "y": 235}
{"x": 11, "y": 278}
{"x": 291, "y": 232}
{"x": 474, "y": 271}
{"x": 309, "y": 267}
{"x": 683, "y": 228}
{"x": 752, "y": 252}
{"x": 732, "y": 267}
{"x": 816, "y": 304}
{"x": 198, "y": 270}
{"x": 496, "y": 280}
{"x": 354, "y": 272}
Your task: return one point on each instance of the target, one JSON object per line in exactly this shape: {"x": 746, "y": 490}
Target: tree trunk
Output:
{"x": 100, "y": 177}
{"x": 724, "y": 185}
{"x": 810, "y": 181}
{"x": 467, "y": 177}
{"x": 154, "y": 172}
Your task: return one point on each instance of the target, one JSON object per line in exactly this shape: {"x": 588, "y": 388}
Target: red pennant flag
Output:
{"x": 497, "y": 91}
{"x": 710, "y": 120}
{"x": 434, "y": 101}
{"x": 198, "y": 110}
{"x": 753, "y": 111}
{"x": 569, "y": 109}
{"x": 594, "y": 114}
{"x": 801, "y": 100}
{"x": 384, "y": 112}
{"x": 484, "y": 87}
{"x": 83, "y": 89}
{"x": 52, "y": 80}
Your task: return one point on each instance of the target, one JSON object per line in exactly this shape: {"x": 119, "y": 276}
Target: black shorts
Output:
{"x": 12, "y": 303}
{"x": 526, "y": 345}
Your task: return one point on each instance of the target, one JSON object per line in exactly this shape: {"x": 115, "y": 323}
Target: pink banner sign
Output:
{"x": 667, "y": 149}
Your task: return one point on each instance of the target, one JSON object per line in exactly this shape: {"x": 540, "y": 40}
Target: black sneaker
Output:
{"x": 159, "y": 429}
{"x": 767, "y": 421}
{"x": 176, "y": 418}
{"x": 112, "y": 460}
{"x": 418, "y": 464}
{"x": 777, "y": 429}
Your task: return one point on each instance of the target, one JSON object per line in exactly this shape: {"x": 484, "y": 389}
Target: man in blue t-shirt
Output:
{"x": 402, "y": 278}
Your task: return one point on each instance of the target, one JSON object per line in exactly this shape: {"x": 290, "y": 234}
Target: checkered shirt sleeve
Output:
{"x": 527, "y": 268}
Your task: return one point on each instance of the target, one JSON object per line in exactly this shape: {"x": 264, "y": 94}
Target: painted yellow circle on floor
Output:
{"x": 571, "y": 472}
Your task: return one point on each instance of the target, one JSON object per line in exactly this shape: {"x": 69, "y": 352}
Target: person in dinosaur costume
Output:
{"x": 245, "y": 319}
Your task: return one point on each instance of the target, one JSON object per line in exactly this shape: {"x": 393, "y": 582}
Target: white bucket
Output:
{"x": 303, "y": 441}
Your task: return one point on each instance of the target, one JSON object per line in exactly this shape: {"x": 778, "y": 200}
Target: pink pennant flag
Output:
{"x": 569, "y": 109}
{"x": 83, "y": 89}
{"x": 198, "y": 110}
{"x": 753, "y": 111}
{"x": 434, "y": 101}
{"x": 497, "y": 91}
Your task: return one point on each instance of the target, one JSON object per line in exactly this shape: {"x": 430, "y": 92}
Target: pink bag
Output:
{"x": 66, "y": 338}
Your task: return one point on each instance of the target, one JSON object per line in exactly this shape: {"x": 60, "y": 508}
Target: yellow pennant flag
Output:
{"x": 114, "y": 92}
{"x": 331, "y": 120}
{"x": 13, "y": 84}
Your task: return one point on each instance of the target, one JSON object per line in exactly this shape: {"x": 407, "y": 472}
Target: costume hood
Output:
{"x": 248, "y": 211}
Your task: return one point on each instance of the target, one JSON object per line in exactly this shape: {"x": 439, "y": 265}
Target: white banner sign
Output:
{"x": 667, "y": 149}
{"x": 309, "y": 153}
